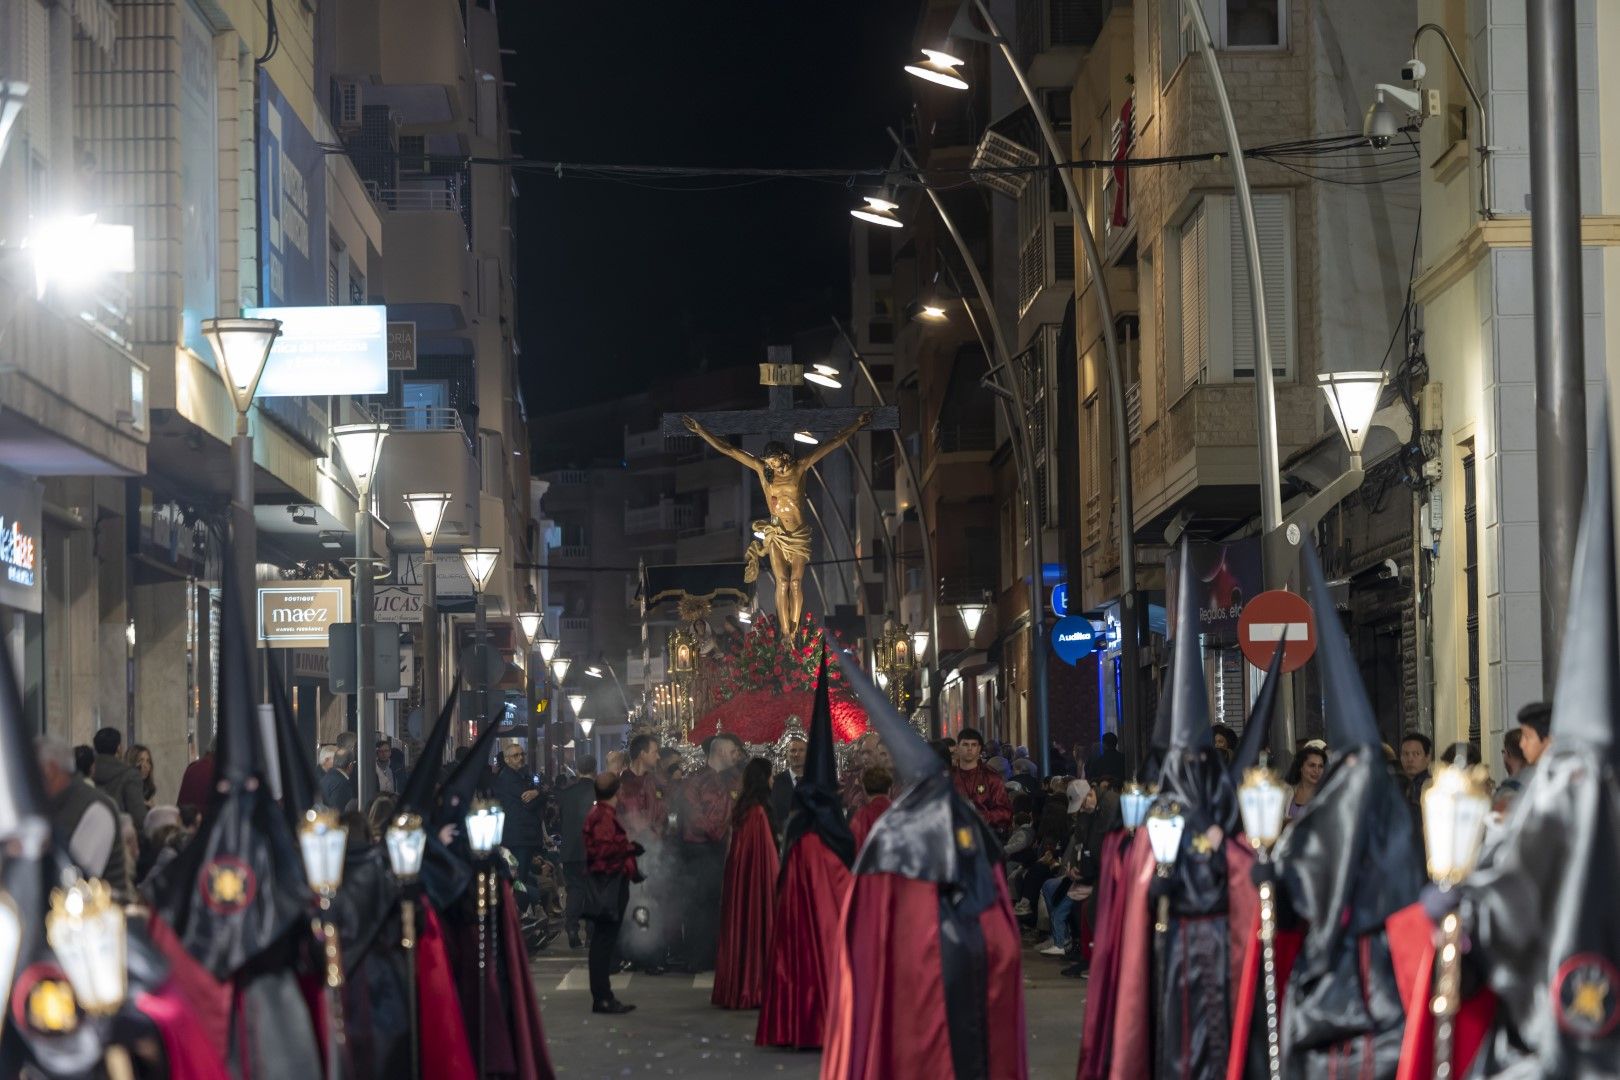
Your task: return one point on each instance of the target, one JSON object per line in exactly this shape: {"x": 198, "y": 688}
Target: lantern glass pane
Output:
{"x": 86, "y": 930}
{"x": 1133, "y": 806}
{"x": 405, "y": 849}
{"x": 10, "y": 943}
{"x": 1164, "y": 835}
{"x": 1262, "y": 802}
{"x": 1453, "y": 827}
{"x": 323, "y": 847}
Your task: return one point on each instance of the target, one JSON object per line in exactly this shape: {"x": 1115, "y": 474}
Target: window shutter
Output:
{"x": 1194, "y": 296}
{"x": 1272, "y": 214}
{"x": 37, "y": 114}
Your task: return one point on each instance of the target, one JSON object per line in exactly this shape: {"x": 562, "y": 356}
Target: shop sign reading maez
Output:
{"x": 302, "y": 617}
{"x": 17, "y": 553}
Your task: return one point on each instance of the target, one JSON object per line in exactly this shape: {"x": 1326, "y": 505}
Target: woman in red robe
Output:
{"x": 877, "y": 780}
{"x": 748, "y": 898}
{"x": 817, "y": 850}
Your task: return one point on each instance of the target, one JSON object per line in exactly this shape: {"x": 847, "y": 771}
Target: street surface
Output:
{"x": 676, "y": 1032}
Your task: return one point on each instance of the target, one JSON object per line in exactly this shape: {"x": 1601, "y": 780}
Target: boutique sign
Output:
{"x": 302, "y": 617}
{"x": 20, "y": 568}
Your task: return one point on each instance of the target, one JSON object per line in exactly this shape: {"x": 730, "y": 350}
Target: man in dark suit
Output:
{"x": 574, "y": 804}
{"x": 390, "y": 773}
{"x": 786, "y": 780}
{"x": 524, "y": 834}
{"x": 337, "y": 783}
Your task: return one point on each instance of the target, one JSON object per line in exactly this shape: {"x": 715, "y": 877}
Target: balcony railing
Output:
{"x": 423, "y": 196}
{"x": 663, "y": 516}
{"x": 574, "y": 551}
{"x": 575, "y": 625}
{"x": 963, "y": 439}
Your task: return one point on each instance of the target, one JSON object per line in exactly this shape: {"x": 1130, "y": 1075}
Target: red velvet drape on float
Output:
{"x": 808, "y": 903}
{"x": 746, "y": 913}
{"x": 886, "y": 999}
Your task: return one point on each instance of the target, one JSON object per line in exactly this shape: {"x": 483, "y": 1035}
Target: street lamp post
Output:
{"x": 361, "y": 446}
{"x": 428, "y": 507}
{"x": 480, "y": 563}
{"x": 943, "y": 72}
{"x": 241, "y": 348}
{"x": 530, "y": 622}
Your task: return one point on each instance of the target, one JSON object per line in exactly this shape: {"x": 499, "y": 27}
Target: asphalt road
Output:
{"x": 676, "y": 1032}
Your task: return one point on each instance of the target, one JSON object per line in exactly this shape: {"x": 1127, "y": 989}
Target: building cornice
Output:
{"x": 1597, "y": 230}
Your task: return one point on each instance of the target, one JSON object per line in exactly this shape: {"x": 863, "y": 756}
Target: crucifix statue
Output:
{"x": 784, "y": 538}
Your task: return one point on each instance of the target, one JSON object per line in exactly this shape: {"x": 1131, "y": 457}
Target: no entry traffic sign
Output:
{"x": 1276, "y": 616}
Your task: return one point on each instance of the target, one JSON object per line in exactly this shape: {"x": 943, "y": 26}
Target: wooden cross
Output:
{"x": 779, "y": 420}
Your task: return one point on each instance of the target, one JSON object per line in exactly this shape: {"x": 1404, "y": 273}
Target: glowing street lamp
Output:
{"x": 360, "y": 447}
{"x": 427, "y": 509}
{"x": 480, "y": 564}
{"x": 576, "y": 702}
{"x": 878, "y": 210}
{"x": 938, "y": 67}
{"x": 1353, "y": 398}
{"x": 1134, "y": 801}
{"x": 972, "y": 613}
{"x": 87, "y": 931}
{"x": 1165, "y": 824}
{"x": 530, "y": 622}
{"x": 585, "y": 725}
{"x": 559, "y": 668}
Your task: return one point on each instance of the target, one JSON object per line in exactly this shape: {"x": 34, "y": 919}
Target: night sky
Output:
{"x": 618, "y": 284}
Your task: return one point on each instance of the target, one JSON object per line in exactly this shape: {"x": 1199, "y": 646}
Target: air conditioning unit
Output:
{"x": 350, "y": 103}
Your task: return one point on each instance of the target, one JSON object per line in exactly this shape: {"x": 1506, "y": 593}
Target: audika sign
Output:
{"x": 20, "y": 522}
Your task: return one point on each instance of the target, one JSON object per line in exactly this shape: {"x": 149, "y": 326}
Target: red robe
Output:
{"x": 1247, "y": 1000}
{"x": 707, "y": 802}
{"x": 746, "y": 914}
{"x": 886, "y": 1000}
{"x": 1132, "y": 1046}
{"x": 446, "y": 1049}
{"x": 865, "y": 818}
{"x": 1096, "y": 1040}
{"x": 1412, "y": 952}
{"x": 983, "y": 787}
{"x": 186, "y": 1045}
{"x": 643, "y": 810}
{"x": 514, "y": 1043}
{"x": 814, "y": 884}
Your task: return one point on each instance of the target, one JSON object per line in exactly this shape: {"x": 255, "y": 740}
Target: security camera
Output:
{"x": 1413, "y": 70}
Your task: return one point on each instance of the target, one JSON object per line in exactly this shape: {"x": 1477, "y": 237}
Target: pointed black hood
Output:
{"x": 418, "y": 793}
{"x": 464, "y": 781}
{"x": 929, "y": 833}
{"x": 817, "y": 806}
{"x": 1191, "y": 769}
{"x": 1257, "y": 732}
{"x": 1348, "y": 714}
{"x": 914, "y": 760}
{"x": 297, "y": 771}
{"x": 237, "y": 894}
{"x": 1540, "y": 909}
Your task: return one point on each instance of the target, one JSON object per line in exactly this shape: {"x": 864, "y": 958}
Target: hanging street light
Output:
{"x": 1455, "y": 806}
{"x": 919, "y": 643}
{"x": 585, "y": 725}
{"x": 1353, "y": 398}
{"x": 576, "y": 702}
{"x": 1263, "y": 804}
{"x": 480, "y": 563}
{"x": 530, "y": 623}
{"x": 241, "y": 347}
{"x": 360, "y": 447}
{"x": 548, "y": 648}
{"x": 559, "y": 668}
{"x": 806, "y": 438}
{"x": 972, "y": 612}
{"x": 939, "y": 67}
{"x": 878, "y": 210}
{"x": 427, "y": 510}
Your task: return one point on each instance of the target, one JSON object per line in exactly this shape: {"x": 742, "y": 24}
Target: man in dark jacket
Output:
{"x": 337, "y": 783}
{"x": 574, "y": 804}
{"x": 786, "y": 780}
{"x": 116, "y": 779}
{"x": 525, "y": 832}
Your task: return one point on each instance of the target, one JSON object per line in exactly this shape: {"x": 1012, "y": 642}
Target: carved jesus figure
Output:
{"x": 784, "y": 538}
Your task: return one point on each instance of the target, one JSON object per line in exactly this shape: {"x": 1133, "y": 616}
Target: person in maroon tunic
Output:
{"x": 926, "y": 972}
{"x": 609, "y": 855}
{"x": 817, "y": 850}
{"x": 877, "y": 780}
{"x": 641, "y": 796}
{"x": 707, "y": 800}
{"x": 981, "y": 785}
{"x": 746, "y": 904}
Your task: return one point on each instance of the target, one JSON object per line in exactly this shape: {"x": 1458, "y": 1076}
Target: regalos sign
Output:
{"x": 302, "y": 617}
{"x": 21, "y": 569}
{"x": 18, "y": 552}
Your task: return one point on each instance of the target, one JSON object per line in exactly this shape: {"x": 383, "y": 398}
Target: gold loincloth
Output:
{"x": 771, "y": 538}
